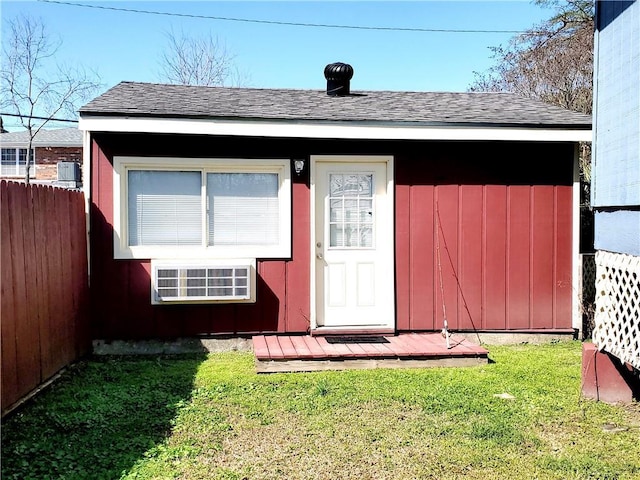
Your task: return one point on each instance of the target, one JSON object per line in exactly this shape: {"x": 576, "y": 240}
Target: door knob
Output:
{"x": 319, "y": 255}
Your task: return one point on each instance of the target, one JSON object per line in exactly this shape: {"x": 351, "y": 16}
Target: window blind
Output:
{"x": 243, "y": 208}
{"x": 165, "y": 208}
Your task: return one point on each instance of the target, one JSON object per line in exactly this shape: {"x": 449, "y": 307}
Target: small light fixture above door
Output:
{"x": 298, "y": 165}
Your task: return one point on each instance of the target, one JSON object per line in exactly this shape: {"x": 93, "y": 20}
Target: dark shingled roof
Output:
{"x": 416, "y": 108}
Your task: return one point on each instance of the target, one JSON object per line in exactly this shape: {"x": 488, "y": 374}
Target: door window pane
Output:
{"x": 351, "y": 210}
{"x": 165, "y": 208}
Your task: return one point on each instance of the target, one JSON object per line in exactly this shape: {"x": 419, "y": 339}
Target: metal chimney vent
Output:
{"x": 338, "y": 77}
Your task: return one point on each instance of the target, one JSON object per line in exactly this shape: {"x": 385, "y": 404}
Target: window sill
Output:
{"x": 186, "y": 252}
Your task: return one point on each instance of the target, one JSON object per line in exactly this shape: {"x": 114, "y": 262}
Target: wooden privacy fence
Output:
{"x": 44, "y": 285}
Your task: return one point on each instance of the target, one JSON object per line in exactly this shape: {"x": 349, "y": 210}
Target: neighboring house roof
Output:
{"x": 492, "y": 109}
{"x": 57, "y": 137}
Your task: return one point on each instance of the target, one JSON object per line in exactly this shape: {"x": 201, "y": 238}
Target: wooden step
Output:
{"x": 291, "y": 353}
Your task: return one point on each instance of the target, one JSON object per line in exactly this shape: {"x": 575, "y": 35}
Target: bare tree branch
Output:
{"x": 198, "y": 61}
{"x": 30, "y": 85}
{"x": 552, "y": 62}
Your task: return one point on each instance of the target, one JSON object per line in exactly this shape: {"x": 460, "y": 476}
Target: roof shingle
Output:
{"x": 55, "y": 137}
{"x": 426, "y": 108}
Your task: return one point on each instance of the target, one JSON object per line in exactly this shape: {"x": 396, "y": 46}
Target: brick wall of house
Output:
{"x": 47, "y": 159}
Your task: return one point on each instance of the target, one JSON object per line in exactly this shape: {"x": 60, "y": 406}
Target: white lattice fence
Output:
{"x": 617, "y": 317}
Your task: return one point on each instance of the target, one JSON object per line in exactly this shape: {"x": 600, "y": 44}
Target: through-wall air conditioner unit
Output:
{"x": 68, "y": 171}
{"x": 216, "y": 281}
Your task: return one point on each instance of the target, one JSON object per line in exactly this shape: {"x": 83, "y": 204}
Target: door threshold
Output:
{"x": 325, "y": 331}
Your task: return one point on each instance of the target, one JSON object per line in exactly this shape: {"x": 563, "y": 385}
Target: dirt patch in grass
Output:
{"x": 338, "y": 445}
{"x": 369, "y": 441}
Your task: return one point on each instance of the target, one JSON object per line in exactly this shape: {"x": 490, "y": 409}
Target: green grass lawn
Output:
{"x": 213, "y": 417}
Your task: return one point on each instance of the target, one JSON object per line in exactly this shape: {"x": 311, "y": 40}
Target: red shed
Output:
{"x": 234, "y": 210}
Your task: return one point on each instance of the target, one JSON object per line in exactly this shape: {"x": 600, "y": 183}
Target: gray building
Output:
{"x": 615, "y": 194}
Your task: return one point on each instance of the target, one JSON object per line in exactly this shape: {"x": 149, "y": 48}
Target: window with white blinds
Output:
{"x": 165, "y": 208}
{"x": 243, "y": 208}
{"x": 194, "y": 208}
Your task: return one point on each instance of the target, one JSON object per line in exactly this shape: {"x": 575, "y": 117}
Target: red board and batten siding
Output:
{"x": 121, "y": 288}
{"x": 493, "y": 240}
{"x": 503, "y": 238}
{"x": 503, "y": 262}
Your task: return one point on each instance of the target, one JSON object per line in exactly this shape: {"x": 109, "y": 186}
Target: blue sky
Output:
{"x": 128, "y": 46}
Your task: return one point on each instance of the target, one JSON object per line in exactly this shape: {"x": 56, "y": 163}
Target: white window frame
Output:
{"x": 17, "y": 165}
{"x": 121, "y": 167}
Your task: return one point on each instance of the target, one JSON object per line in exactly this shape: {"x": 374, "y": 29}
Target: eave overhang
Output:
{"x": 334, "y": 129}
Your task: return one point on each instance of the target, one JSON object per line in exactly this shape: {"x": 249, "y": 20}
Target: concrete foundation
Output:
{"x": 230, "y": 343}
{"x": 173, "y": 347}
{"x": 514, "y": 338}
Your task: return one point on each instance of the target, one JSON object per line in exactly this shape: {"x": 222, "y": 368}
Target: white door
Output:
{"x": 353, "y": 243}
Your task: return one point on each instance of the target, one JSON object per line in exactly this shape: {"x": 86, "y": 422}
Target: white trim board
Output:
{"x": 123, "y": 164}
{"x": 345, "y": 159}
{"x": 576, "y": 282}
{"x": 337, "y": 130}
